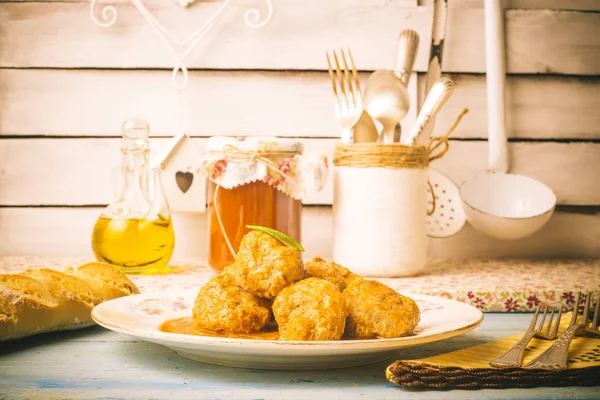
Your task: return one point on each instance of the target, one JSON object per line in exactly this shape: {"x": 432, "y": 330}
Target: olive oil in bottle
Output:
{"x": 135, "y": 232}
{"x": 135, "y": 245}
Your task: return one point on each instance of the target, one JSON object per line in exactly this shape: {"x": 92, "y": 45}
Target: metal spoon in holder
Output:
{"x": 386, "y": 97}
{"x": 436, "y": 98}
{"x": 386, "y": 100}
{"x": 408, "y": 47}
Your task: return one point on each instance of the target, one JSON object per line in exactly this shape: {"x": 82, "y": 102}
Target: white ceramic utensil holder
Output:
{"x": 380, "y": 211}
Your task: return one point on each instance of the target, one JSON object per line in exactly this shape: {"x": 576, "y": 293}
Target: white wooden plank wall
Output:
{"x": 66, "y": 85}
{"x": 101, "y": 99}
{"x": 61, "y": 35}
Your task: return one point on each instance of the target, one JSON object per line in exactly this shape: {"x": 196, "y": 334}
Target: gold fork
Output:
{"x": 555, "y": 358}
{"x": 347, "y": 93}
{"x": 514, "y": 356}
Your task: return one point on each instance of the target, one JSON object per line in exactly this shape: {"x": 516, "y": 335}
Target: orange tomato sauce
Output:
{"x": 186, "y": 326}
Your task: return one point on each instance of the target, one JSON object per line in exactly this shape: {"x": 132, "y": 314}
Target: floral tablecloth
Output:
{"x": 490, "y": 285}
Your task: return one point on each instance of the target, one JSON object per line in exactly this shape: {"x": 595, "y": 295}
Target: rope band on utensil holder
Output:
{"x": 234, "y": 155}
{"x": 395, "y": 155}
{"x": 375, "y": 155}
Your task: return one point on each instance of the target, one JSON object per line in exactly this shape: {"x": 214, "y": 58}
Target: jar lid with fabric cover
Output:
{"x": 234, "y": 161}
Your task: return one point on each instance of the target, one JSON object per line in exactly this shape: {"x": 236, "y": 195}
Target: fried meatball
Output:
{"x": 330, "y": 271}
{"x": 377, "y": 310}
{"x": 312, "y": 309}
{"x": 223, "y": 306}
{"x": 264, "y": 266}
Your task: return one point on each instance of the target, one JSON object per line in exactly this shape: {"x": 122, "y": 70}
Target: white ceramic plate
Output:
{"x": 141, "y": 315}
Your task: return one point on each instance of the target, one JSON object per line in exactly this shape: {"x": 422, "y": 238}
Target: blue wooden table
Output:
{"x": 98, "y": 364}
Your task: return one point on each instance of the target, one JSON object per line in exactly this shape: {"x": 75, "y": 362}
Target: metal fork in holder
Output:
{"x": 347, "y": 94}
{"x": 514, "y": 356}
{"x": 555, "y": 358}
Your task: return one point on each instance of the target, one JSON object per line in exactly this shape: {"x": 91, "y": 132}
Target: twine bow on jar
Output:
{"x": 233, "y": 161}
{"x": 233, "y": 154}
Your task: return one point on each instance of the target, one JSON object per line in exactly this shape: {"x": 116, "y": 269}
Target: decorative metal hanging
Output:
{"x": 178, "y": 48}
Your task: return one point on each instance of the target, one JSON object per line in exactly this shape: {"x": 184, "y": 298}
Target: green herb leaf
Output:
{"x": 282, "y": 237}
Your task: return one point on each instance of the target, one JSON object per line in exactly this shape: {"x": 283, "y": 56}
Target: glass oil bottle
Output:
{"x": 135, "y": 232}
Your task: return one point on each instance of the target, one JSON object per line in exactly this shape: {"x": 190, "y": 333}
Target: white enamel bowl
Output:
{"x": 507, "y": 206}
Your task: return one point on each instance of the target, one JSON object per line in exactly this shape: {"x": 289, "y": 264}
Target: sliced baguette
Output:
{"x": 106, "y": 281}
{"x": 27, "y": 307}
{"x": 61, "y": 284}
{"x": 44, "y": 300}
{"x": 74, "y": 297}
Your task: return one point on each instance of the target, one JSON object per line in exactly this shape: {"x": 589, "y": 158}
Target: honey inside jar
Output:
{"x": 255, "y": 203}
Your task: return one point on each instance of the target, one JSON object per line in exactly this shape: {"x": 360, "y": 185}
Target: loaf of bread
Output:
{"x": 44, "y": 300}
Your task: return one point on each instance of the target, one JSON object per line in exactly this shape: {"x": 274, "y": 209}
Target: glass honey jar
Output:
{"x": 256, "y": 181}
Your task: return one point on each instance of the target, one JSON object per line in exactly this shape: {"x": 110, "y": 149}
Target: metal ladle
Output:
{"x": 502, "y": 205}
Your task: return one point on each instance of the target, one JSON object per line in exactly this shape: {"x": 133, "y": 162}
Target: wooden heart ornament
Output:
{"x": 184, "y": 180}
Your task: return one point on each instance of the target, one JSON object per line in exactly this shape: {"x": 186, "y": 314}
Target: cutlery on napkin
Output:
{"x": 469, "y": 368}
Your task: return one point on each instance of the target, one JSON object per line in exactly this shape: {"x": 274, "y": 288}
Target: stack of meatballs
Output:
{"x": 318, "y": 300}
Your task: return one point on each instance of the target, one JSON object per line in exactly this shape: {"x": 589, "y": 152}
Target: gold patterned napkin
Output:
{"x": 469, "y": 368}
